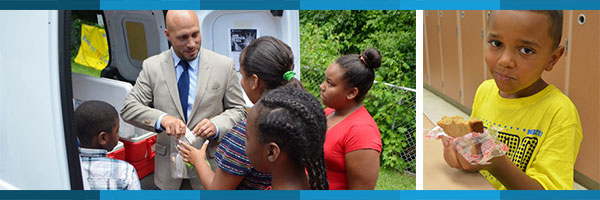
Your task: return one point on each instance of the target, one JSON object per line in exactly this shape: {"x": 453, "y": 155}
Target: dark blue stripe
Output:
{"x": 49, "y": 4}
{"x": 49, "y": 194}
{"x": 151, "y": 194}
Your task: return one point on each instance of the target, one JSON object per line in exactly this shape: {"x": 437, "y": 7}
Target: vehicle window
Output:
{"x": 89, "y": 44}
{"x": 136, "y": 40}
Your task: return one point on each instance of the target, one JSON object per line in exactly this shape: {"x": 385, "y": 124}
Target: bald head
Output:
{"x": 183, "y": 32}
{"x": 177, "y": 18}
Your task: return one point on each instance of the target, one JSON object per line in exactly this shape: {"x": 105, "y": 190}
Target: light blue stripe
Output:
{"x": 250, "y": 4}
{"x": 550, "y": 5}
{"x": 450, "y": 4}
{"x": 350, "y": 4}
{"x": 250, "y": 195}
{"x": 351, "y": 194}
{"x": 550, "y": 195}
{"x": 150, "y": 4}
{"x": 451, "y": 194}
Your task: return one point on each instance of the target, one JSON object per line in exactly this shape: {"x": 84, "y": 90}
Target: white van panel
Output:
{"x": 32, "y": 143}
{"x": 215, "y": 26}
{"x": 113, "y": 92}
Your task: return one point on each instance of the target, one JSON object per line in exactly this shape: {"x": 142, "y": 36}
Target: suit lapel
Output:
{"x": 204, "y": 69}
{"x": 168, "y": 69}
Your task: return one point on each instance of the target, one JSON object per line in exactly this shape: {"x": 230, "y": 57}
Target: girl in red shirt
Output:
{"x": 353, "y": 141}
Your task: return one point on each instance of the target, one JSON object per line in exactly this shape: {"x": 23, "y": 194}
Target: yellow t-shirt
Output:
{"x": 542, "y": 131}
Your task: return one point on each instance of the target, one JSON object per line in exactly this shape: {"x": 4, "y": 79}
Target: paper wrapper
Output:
{"x": 477, "y": 148}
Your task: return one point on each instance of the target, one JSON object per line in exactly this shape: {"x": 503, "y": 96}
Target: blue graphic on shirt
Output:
{"x": 520, "y": 150}
{"x": 535, "y": 132}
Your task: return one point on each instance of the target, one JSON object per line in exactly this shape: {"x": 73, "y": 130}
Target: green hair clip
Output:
{"x": 289, "y": 75}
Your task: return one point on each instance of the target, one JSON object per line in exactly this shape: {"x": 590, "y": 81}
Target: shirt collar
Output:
{"x": 193, "y": 64}
{"x": 95, "y": 153}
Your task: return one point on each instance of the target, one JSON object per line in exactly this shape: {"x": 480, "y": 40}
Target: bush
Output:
{"x": 325, "y": 35}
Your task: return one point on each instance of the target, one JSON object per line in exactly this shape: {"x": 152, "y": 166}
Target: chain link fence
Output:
{"x": 405, "y": 126}
{"x": 394, "y": 110}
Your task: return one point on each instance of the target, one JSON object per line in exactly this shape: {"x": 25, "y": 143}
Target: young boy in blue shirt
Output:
{"x": 540, "y": 125}
{"x": 98, "y": 131}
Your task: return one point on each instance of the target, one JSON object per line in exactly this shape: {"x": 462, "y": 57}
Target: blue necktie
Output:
{"x": 184, "y": 87}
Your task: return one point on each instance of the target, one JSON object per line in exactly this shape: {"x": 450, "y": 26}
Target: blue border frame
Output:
{"x": 304, "y": 195}
{"x": 300, "y": 4}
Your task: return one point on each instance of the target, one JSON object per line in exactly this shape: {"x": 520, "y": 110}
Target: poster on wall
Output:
{"x": 239, "y": 39}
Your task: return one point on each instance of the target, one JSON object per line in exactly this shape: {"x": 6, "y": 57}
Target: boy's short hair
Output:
{"x": 93, "y": 117}
{"x": 555, "y": 22}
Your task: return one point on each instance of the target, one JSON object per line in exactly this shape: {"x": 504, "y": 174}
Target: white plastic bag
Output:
{"x": 179, "y": 168}
{"x": 477, "y": 148}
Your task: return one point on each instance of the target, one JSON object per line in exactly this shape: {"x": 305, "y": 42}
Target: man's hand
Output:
{"x": 173, "y": 126}
{"x": 205, "y": 129}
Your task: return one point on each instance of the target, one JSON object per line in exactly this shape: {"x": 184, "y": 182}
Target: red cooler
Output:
{"x": 144, "y": 167}
{"x": 118, "y": 152}
{"x": 139, "y": 152}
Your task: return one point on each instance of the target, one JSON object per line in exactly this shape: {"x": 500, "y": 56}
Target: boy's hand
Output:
{"x": 455, "y": 159}
{"x": 192, "y": 155}
{"x": 173, "y": 126}
{"x": 449, "y": 153}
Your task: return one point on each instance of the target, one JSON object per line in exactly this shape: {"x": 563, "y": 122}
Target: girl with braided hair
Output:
{"x": 265, "y": 64}
{"x": 353, "y": 141}
{"x": 286, "y": 132}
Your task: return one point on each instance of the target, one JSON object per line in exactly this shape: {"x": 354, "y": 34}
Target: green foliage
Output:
{"x": 325, "y": 35}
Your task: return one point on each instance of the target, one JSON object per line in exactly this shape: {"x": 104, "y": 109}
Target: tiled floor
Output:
{"x": 435, "y": 107}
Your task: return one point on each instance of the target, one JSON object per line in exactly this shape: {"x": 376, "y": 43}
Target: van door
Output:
{"x": 134, "y": 36}
{"x": 38, "y": 149}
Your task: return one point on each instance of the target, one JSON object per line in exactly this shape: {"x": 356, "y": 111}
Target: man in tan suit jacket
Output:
{"x": 215, "y": 104}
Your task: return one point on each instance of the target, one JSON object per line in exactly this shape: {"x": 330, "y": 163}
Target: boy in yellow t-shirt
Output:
{"x": 540, "y": 124}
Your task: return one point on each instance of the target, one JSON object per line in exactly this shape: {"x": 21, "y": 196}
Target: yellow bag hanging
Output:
{"x": 93, "y": 51}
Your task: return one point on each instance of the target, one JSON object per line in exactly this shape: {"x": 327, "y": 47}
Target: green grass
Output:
{"x": 395, "y": 180}
{"x": 82, "y": 69}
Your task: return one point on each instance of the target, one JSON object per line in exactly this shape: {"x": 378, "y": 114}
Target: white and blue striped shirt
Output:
{"x": 103, "y": 173}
